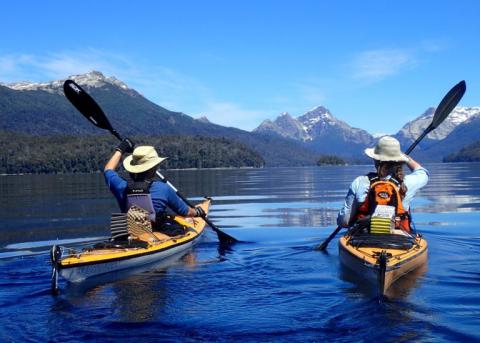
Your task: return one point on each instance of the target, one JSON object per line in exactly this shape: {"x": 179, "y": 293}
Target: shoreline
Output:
{"x": 231, "y": 168}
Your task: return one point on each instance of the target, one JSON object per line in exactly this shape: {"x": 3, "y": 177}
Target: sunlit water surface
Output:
{"x": 276, "y": 287}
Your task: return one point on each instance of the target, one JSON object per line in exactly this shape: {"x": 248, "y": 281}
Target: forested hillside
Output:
{"x": 21, "y": 153}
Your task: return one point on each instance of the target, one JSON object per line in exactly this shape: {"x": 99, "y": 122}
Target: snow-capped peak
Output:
{"x": 316, "y": 115}
{"x": 203, "y": 119}
{"x": 458, "y": 116}
{"x": 462, "y": 114}
{"x": 93, "y": 79}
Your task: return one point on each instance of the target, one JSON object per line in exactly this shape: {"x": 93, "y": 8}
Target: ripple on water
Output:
{"x": 273, "y": 287}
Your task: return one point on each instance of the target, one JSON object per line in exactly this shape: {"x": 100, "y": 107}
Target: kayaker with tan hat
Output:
{"x": 142, "y": 165}
{"x": 387, "y": 186}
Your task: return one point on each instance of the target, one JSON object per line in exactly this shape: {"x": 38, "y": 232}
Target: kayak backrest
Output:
{"x": 118, "y": 227}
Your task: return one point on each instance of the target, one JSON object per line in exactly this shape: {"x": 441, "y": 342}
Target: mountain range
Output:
{"x": 41, "y": 109}
{"x": 319, "y": 130}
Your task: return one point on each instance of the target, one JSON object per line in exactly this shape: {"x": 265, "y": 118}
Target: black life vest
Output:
{"x": 138, "y": 194}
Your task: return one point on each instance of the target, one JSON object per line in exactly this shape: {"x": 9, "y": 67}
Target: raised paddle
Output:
{"x": 446, "y": 106}
{"x": 85, "y": 104}
{"x": 448, "y": 103}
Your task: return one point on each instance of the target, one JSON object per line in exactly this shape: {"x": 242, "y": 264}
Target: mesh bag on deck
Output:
{"x": 139, "y": 224}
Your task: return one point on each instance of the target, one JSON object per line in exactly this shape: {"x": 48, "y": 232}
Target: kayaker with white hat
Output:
{"x": 388, "y": 185}
{"x": 142, "y": 164}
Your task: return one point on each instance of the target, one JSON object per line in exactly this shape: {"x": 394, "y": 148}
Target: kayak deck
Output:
{"x": 111, "y": 256}
{"x": 382, "y": 258}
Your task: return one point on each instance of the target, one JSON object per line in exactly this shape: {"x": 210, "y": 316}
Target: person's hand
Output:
{"x": 199, "y": 212}
{"x": 126, "y": 146}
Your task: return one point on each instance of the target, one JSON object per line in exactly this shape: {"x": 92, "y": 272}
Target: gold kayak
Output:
{"x": 382, "y": 259}
{"x": 108, "y": 257}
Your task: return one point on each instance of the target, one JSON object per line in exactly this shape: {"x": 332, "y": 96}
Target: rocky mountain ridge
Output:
{"x": 318, "y": 128}
{"x": 40, "y": 109}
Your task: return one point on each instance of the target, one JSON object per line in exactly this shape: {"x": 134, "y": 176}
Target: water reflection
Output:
{"x": 273, "y": 286}
{"x": 136, "y": 294}
{"x": 399, "y": 290}
{"x": 452, "y": 188}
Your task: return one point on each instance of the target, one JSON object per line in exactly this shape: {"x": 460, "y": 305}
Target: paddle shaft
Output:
{"x": 226, "y": 238}
{"x": 324, "y": 245}
{"x": 418, "y": 140}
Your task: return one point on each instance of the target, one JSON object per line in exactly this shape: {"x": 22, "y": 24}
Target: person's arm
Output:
{"x": 126, "y": 146}
{"x": 180, "y": 207}
{"x": 345, "y": 214}
{"x": 418, "y": 178}
{"x": 412, "y": 164}
{"x": 414, "y": 181}
{"x": 356, "y": 195}
{"x": 196, "y": 212}
{"x": 113, "y": 162}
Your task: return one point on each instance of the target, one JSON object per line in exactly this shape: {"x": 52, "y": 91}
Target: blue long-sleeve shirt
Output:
{"x": 359, "y": 188}
{"x": 163, "y": 196}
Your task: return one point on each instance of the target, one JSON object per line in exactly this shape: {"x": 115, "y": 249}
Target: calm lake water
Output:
{"x": 276, "y": 287}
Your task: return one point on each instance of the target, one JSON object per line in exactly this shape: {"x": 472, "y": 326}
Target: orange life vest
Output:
{"x": 385, "y": 192}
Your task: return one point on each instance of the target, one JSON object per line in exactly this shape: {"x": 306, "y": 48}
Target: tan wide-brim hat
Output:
{"x": 143, "y": 158}
{"x": 387, "y": 150}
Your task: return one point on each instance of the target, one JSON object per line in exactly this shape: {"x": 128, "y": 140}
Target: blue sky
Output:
{"x": 374, "y": 64}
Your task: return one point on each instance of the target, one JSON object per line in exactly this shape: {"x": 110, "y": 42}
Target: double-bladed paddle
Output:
{"x": 448, "y": 103}
{"x": 85, "y": 104}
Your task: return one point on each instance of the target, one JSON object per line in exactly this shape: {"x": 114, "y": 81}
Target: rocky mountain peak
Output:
{"x": 91, "y": 79}
{"x": 316, "y": 125}
{"x": 284, "y": 125}
{"x": 459, "y": 115}
{"x": 317, "y": 117}
{"x": 203, "y": 119}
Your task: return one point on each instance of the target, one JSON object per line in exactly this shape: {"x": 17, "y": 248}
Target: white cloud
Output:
{"x": 376, "y": 65}
{"x": 41, "y": 68}
{"x": 230, "y": 114}
{"x": 162, "y": 85}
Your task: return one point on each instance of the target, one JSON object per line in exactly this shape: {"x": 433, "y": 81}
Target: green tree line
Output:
{"x": 22, "y": 153}
{"x": 330, "y": 160}
{"x": 470, "y": 153}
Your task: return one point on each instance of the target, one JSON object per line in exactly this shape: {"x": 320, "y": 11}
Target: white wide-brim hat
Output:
{"x": 143, "y": 158}
{"x": 387, "y": 150}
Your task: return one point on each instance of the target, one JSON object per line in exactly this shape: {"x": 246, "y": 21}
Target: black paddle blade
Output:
{"x": 446, "y": 106}
{"x": 448, "y": 103}
{"x": 223, "y": 237}
{"x": 85, "y": 104}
